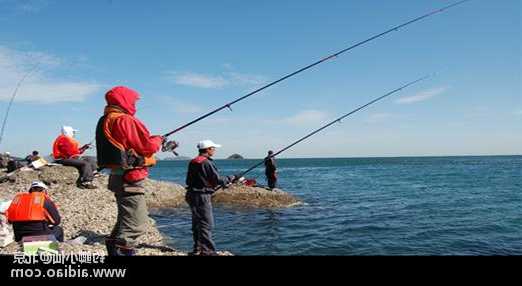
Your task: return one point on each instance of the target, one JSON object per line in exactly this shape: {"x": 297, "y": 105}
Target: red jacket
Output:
{"x": 128, "y": 131}
{"x": 65, "y": 148}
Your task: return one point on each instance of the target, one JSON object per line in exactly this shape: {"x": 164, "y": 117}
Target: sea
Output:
{"x": 368, "y": 206}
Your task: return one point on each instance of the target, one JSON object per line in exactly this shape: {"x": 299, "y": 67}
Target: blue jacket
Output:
{"x": 203, "y": 176}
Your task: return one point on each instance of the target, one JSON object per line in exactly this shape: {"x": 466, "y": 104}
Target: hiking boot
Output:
{"x": 194, "y": 253}
{"x": 87, "y": 185}
{"x": 124, "y": 251}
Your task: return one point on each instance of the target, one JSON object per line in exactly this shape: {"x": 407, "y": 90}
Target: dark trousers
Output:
{"x": 85, "y": 166}
{"x": 272, "y": 180}
{"x": 57, "y": 231}
{"x": 202, "y": 221}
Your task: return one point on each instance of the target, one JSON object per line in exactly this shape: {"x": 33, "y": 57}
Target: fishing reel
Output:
{"x": 86, "y": 147}
{"x": 170, "y": 146}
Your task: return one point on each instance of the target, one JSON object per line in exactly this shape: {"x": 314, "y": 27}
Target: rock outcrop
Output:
{"x": 92, "y": 213}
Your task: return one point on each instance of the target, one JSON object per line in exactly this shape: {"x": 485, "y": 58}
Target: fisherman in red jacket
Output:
{"x": 66, "y": 151}
{"x": 125, "y": 146}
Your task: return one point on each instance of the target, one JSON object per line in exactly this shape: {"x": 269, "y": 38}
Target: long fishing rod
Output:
{"x": 13, "y": 96}
{"x": 396, "y": 28}
{"x": 338, "y": 120}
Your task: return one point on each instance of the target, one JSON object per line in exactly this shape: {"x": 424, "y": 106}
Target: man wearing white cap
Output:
{"x": 34, "y": 213}
{"x": 66, "y": 151}
{"x": 202, "y": 180}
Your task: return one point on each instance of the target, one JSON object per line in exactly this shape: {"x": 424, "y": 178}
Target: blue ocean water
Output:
{"x": 371, "y": 206}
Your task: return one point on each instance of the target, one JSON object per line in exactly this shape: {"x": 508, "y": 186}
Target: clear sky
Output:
{"x": 189, "y": 57}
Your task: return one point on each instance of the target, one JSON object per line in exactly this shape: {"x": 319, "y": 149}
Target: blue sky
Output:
{"x": 188, "y": 58}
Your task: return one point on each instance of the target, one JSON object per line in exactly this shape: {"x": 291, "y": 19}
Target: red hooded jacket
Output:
{"x": 130, "y": 132}
{"x": 66, "y": 148}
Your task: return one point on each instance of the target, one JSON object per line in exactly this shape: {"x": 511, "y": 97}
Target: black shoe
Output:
{"x": 118, "y": 247}
{"x": 87, "y": 185}
{"x": 208, "y": 253}
{"x": 125, "y": 251}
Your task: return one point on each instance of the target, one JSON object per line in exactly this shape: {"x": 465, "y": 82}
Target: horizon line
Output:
{"x": 364, "y": 157}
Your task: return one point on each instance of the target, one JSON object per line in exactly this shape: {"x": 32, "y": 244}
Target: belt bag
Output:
{"x": 132, "y": 160}
{"x": 118, "y": 184}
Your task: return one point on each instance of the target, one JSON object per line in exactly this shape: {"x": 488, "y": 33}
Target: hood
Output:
{"x": 68, "y": 131}
{"x": 124, "y": 98}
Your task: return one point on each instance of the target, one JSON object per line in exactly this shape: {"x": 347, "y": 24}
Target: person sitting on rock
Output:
{"x": 4, "y": 159}
{"x": 67, "y": 153}
{"x": 34, "y": 213}
{"x": 32, "y": 157}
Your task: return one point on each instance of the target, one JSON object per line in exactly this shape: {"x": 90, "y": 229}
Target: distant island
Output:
{"x": 178, "y": 158}
{"x": 235, "y": 157}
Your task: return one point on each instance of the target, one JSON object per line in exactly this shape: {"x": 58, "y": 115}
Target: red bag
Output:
{"x": 250, "y": 183}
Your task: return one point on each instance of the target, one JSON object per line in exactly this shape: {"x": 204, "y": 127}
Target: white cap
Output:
{"x": 205, "y": 144}
{"x": 8, "y": 153}
{"x": 38, "y": 184}
{"x": 68, "y": 131}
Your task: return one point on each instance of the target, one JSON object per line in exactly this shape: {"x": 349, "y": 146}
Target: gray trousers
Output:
{"x": 85, "y": 166}
{"x": 132, "y": 213}
{"x": 202, "y": 221}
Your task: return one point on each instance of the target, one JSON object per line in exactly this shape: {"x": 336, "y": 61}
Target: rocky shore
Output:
{"x": 92, "y": 213}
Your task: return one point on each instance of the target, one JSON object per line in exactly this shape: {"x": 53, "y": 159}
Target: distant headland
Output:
{"x": 235, "y": 157}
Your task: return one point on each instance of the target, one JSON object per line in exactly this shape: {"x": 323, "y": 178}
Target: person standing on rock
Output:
{"x": 271, "y": 170}
{"x": 125, "y": 146}
{"x": 66, "y": 151}
{"x": 202, "y": 180}
{"x": 34, "y": 213}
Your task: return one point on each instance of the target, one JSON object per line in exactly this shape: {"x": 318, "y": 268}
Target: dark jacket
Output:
{"x": 32, "y": 158}
{"x": 270, "y": 166}
{"x": 203, "y": 176}
{"x": 22, "y": 229}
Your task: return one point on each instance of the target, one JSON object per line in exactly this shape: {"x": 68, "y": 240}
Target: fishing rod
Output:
{"x": 4, "y": 123}
{"x": 338, "y": 120}
{"x": 396, "y": 28}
